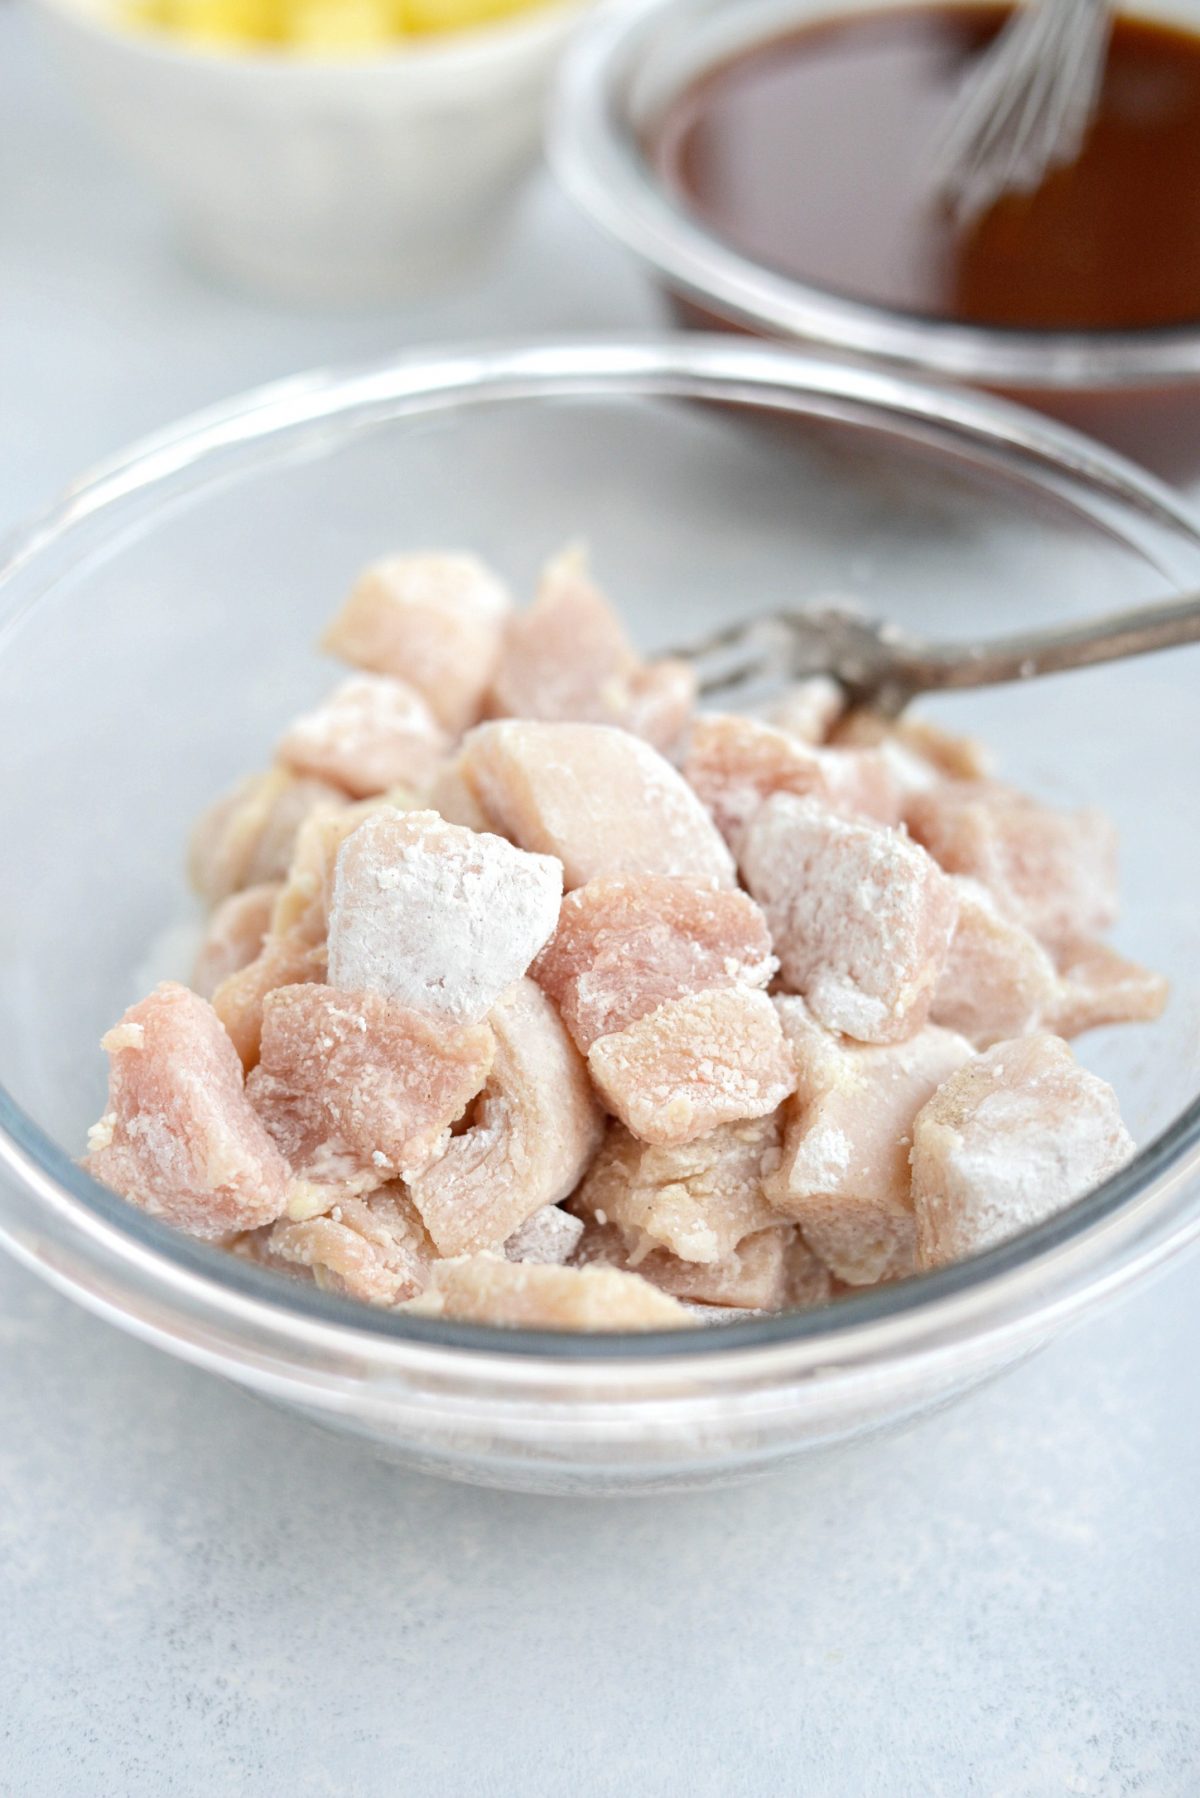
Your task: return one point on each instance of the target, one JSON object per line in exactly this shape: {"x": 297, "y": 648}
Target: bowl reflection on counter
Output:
{"x": 154, "y": 634}
{"x": 1138, "y": 391}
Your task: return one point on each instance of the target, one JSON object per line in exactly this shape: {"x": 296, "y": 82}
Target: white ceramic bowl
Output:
{"x": 347, "y": 180}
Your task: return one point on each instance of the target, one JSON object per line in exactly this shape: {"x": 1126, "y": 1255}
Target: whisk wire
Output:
{"x": 1026, "y": 105}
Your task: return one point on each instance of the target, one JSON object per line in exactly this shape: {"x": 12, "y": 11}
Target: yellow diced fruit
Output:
{"x": 339, "y": 26}
{"x": 224, "y": 22}
{"x": 148, "y": 15}
{"x": 459, "y": 15}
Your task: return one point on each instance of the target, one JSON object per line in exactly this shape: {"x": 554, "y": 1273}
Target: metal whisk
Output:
{"x": 1025, "y": 108}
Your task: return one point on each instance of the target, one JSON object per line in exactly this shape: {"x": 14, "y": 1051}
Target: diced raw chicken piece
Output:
{"x": 809, "y": 1281}
{"x": 373, "y": 1249}
{"x": 283, "y": 961}
{"x": 1009, "y": 1139}
{"x": 247, "y": 837}
{"x": 567, "y": 660}
{"x": 627, "y": 943}
{"x": 768, "y": 1271}
{"x": 356, "y": 1089}
{"x": 844, "y": 1174}
{"x": 661, "y": 696}
{"x": 910, "y": 757}
{"x": 435, "y": 916}
{"x": 550, "y": 1236}
{"x": 179, "y": 1137}
{"x": 817, "y": 1053}
{"x": 944, "y": 756}
{"x": 530, "y": 1139}
{"x": 864, "y": 783}
{"x": 1098, "y": 986}
{"x": 810, "y": 709}
{"x": 861, "y": 918}
{"x": 486, "y": 1289}
{"x": 1052, "y": 872}
{"x": 600, "y": 799}
{"x": 754, "y": 1275}
{"x": 294, "y": 950}
{"x": 371, "y": 733}
{"x": 306, "y": 901}
{"x": 998, "y": 981}
{"x": 453, "y": 800}
{"x": 697, "y": 1199}
{"x": 233, "y": 936}
{"x": 735, "y": 763}
{"x": 435, "y": 621}
{"x": 694, "y": 1063}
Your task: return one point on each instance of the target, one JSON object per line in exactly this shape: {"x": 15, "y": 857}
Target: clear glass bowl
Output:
{"x": 155, "y": 630}
{"x": 1137, "y": 390}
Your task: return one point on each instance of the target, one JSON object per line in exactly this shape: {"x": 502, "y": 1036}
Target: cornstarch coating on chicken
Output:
{"x": 435, "y": 916}
{"x": 1011, "y": 1138}
{"x": 531, "y": 997}
{"x": 294, "y": 948}
{"x": 862, "y": 918}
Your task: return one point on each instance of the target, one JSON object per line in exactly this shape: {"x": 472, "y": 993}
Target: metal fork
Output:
{"x": 1026, "y": 106}
{"x": 878, "y": 664}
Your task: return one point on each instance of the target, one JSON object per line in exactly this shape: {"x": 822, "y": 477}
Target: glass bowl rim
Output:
{"x": 600, "y": 165}
{"x": 1102, "y": 1241}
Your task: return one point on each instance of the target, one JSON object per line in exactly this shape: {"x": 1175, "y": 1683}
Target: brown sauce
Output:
{"x": 807, "y": 153}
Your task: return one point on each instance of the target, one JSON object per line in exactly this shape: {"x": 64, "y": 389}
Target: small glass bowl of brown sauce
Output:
{"x": 771, "y": 164}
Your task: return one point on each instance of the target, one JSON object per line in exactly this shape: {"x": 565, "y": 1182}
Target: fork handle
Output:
{"x": 927, "y": 668}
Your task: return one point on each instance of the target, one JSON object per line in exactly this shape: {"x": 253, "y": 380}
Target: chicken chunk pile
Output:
{"x": 529, "y": 996}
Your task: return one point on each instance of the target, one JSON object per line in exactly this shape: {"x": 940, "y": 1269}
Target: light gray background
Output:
{"x": 199, "y": 1596}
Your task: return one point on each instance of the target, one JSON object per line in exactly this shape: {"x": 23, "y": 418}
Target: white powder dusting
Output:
{"x": 435, "y": 916}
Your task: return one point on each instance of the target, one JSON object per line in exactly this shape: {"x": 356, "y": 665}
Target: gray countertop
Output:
{"x": 201, "y": 1596}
